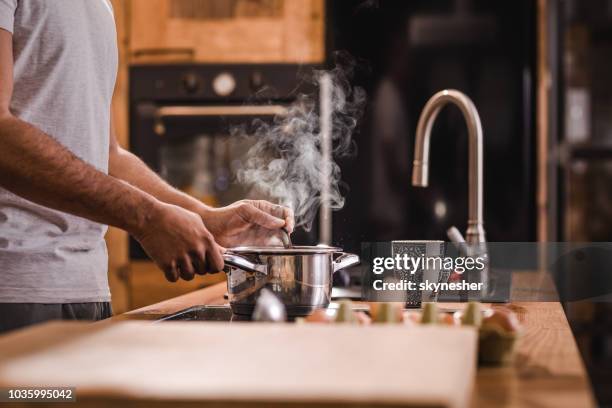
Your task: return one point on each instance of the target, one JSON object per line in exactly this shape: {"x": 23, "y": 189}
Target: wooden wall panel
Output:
{"x": 116, "y": 239}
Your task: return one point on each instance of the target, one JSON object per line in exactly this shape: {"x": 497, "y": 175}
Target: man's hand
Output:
{"x": 248, "y": 222}
{"x": 180, "y": 244}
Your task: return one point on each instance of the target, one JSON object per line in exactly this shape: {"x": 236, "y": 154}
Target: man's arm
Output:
{"x": 124, "y": 165}
{"x": 35, "y": 166}
{"x": 244, "y": 222}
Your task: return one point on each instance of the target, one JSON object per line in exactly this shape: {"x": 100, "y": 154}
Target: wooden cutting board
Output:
{"x": 240, "y": 363}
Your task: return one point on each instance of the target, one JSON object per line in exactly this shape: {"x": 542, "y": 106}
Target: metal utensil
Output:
{"x": 286, "y": 238}
{"x": 269, "y": 308}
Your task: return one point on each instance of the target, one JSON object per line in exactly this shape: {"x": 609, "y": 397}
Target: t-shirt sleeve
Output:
{"x": 7, "y": 14}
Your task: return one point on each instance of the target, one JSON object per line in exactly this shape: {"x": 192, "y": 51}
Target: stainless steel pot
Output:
{"x": 300, "y": 276}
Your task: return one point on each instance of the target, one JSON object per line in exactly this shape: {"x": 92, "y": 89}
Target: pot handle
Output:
{"x": 240, "y": 262}
{"x": 344, "y": 261}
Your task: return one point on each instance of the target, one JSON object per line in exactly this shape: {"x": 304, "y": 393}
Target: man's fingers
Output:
{"x": 279, "y": 212}
{"x": 186, "y": 268}
{"x": 286, "y": 214}
{"x": 198, "y": 260}
{"x": 171, "y": 272}
{"x": 254, "y": 215}
{"x": 215, "y": 259}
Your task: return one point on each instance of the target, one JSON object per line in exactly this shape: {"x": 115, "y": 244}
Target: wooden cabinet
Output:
{"x": 227, "y": 30}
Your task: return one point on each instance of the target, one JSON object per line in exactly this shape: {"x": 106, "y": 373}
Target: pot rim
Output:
{"x": 295, "y": 250}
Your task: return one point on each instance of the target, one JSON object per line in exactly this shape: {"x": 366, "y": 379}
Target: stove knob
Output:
{"x": 224, "y": 84}
{"x": 191, "y": 83}
{"x": 257, "y": 81}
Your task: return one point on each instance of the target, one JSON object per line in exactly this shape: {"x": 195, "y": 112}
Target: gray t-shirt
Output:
{"x": 65, "y": 65}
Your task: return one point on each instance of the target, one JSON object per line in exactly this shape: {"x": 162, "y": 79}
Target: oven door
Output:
{"x": 198, "y": 148}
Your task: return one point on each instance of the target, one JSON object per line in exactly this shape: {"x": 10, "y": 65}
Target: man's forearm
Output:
{"x": 35, "y": 166}
{"x": 128, "y": 167}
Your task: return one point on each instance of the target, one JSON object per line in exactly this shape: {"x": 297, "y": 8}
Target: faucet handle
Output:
{"x": 455, "y": 235}
{"x": 457, "y": 239}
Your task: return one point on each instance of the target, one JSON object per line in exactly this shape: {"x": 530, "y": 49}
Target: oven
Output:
{"x": 182, "y": 117}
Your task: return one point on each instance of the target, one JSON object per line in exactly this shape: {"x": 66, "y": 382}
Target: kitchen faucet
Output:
{"x": 420, "y": 171}
{"x": 475, "y": 236}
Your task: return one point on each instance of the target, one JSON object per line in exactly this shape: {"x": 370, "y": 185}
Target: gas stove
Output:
{"x": 223, "y": 313}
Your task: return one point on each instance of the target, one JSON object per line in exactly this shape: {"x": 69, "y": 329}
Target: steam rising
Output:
{"x": 285, "y": 163}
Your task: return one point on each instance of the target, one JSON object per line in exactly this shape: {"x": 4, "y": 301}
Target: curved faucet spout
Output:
{"x": 420, "y": 170}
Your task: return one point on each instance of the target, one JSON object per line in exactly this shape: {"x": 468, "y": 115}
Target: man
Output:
{"x": 63, "y": 176}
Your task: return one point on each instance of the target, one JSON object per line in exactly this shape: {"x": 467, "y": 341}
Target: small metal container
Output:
{"x": 300, "y": 276}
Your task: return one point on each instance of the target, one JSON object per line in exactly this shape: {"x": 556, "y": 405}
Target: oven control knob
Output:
{"x": 191, "y": 83}
{"x": 257, "y": 81}
{"x": 224, "y": 84}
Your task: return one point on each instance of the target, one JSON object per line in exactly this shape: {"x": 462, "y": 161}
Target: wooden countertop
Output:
{"x": 547, "y": 372}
